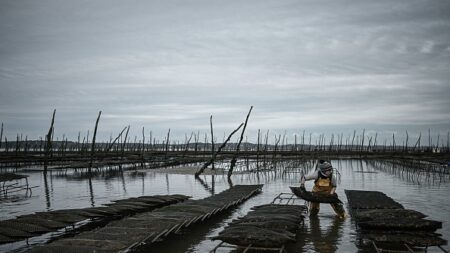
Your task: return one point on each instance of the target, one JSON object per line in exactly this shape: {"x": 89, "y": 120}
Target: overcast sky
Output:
{"x": 321, "y": 66}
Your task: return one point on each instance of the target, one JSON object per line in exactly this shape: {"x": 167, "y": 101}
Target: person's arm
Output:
{"x": 310, "y": 176}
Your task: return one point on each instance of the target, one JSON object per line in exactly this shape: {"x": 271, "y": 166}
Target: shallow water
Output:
{"x": 421, "y": 192}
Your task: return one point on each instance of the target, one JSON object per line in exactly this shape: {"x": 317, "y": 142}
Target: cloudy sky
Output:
{"x": 327, "y": 66}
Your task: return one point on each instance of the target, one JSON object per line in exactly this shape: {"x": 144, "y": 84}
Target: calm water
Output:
{"x": 421, "y": 192}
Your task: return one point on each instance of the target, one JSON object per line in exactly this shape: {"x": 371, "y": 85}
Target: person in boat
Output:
{"x": 325, "y": 183}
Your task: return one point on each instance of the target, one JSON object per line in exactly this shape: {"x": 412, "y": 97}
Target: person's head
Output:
{"x": 325, "y": 168}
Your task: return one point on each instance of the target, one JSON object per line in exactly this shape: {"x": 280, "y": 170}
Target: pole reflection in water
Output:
{"x": 143, "y": 183}
{"x": 213, "y": 182}
{"x": 91, "y": 192}
{"x": 124, "y": 187}
{"x": 46, "y": 191}
{"x": 205, "y": 184}
{"x": 51, "y": 185}
{"x": 167, "y": 183}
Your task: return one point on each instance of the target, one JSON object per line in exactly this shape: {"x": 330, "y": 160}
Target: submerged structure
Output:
{"x": 31, "y": 225}
{"x": 267, "y": 227}
{"x": 133, "y": 232}
{"x": 387, "y": 225}
{"x": 11, "y": 183}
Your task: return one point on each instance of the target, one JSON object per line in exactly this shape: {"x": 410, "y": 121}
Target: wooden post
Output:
{"x": 93, "y": 141}
{"x": 430, "y": 142}
{"x": 78, "y": 142}
{"x": 17, "y": 145}
{"x": 375, "y": 141}
{"x": 362, "y": 140}
{"x": 143, "y": 147}
{"x": 65, "y": 146}
{"x": 150, "y": 148}
{"x": 205, "y": 145}
{"x": 347, "y": 143}
{"x": 26, "y": 145}
{"x": 87, "y": 141}
{"x": 437, "y": 143}
{"x": 1, "y": 136}
{"x": 125, "y": 141}
{"x": 295, "y": 142}
{"x": 234, "y": 159}
{"x": 48, "y": 146}
{"x": 319, "y": 143}
{"x": 212, "y": 140}
{"x": 310, "y": 135}
{"x": 331, "y": 142}
{"x": 113, "y": 142}
{"x": 406, "y": 143}
{"x": 61, "y": 146}
{"x": 275, "y": 148}
{"x": 303, "y": 140}
{"x": 266, "y": 143}
{"x": 354, "y": 134}
{"x": 417, "y": 142}
{"x": 257, "y": 150}
{"x": 167, "y": 145}
{"x": 393, "y": 142}
{"x": 187, "y": 142}
{"x": 200, "y": 171}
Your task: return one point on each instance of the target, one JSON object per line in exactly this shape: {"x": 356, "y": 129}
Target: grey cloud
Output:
{"x": 171, "y": 64}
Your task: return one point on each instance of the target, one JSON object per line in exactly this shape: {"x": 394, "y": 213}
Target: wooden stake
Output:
{"x": 393, "y": 142}
{"x": 417, "y": 142}
{"x": 125, "y": 141}
{"x": 143, "y": 147}
{"x": 1, "y": 136}
{"x": 112, "y": 143}
{"x": 354, "y": 134}
{"x": 167, "y": 145}
{"x": 234, "y": 159}
{"x": 93, "y": 141}
{"x": 362, "y": 140}
{"x": 200, "y": 171}
{"x": 212, "y": 139}
{"x": 406, "y": 143}
{"x": 257, "y": 150}
{"x": 48, "y": 147}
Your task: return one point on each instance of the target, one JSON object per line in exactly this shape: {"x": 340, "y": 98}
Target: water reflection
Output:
{"x": 91, "y": 191}
{"x": 205, "y": 184}
{"x": 167, "y": 183}
{"x": 413, "y": 172}
{"x": 139, "y": 175}
{"x": 195, "y": 236}
{"x": 47, "y": 192}
{"x": 122, "y": 178}
{"x": 325, "y": 237}
{"x": 415, "y": 188}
